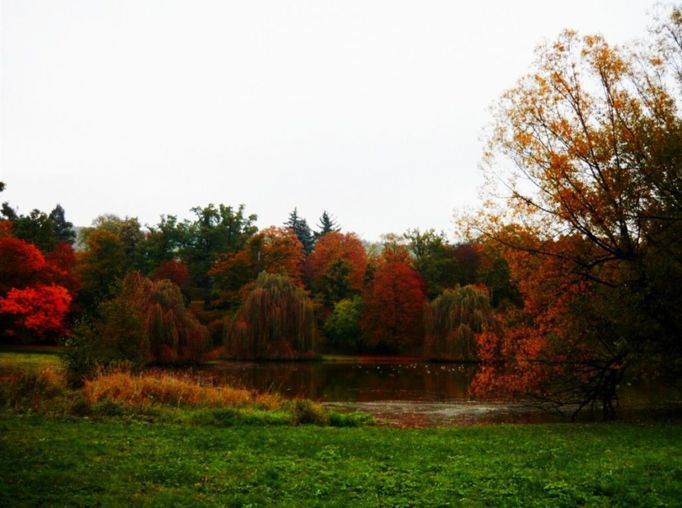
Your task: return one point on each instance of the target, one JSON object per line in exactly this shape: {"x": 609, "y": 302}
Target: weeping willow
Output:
{"x": 452, "y": 322}
{"x": 157, "y": 326}
{"x": 275, "y": 321}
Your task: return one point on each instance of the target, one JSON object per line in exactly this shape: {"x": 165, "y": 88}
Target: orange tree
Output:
{"x": 273, "y": 250}
{"x": 589, "y": 148}
{"x": 335, "y": 269}
{"x": 393, "y": 311}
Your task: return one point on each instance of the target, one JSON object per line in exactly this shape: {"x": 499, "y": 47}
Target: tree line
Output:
{"x": 568, "y": 283}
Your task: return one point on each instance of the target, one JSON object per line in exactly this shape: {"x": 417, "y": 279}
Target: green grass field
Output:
{"x": 80, "y": 462}
{"x": 29, "y": 358}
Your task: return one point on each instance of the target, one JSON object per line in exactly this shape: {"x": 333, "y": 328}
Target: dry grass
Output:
{"x": 172, "y": 389}
{"x": 31, "y": 388}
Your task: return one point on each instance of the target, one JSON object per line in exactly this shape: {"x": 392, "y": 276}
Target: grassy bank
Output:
{"x": 114, "y": 462}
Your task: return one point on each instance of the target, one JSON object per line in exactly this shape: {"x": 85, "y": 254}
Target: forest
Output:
{"x": 564, "y": 285}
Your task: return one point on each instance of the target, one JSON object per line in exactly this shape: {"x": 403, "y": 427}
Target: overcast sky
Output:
{"x": 372, "y": 110}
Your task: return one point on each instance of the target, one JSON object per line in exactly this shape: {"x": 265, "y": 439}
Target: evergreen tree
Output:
{"x": 327, "y": 225}
{"x": 300, "y": 226}
{"x": 63, "y": 229}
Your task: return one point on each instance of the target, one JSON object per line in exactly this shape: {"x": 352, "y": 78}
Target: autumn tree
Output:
{"x": 453, "y": 320}
{"x": 275, "y": 321}
{"x": 101, "y": 266}
{"x": 394, "y": 306}
{"x": 589, "y": 147}
{"x": 336, "y": 268}
{"x": 33, "y": 302}
{"x": 274, "y": 250}
{"x": 39, "y": 309}
{"x": 146, "y": 321}
{"x": 172, "y": 270}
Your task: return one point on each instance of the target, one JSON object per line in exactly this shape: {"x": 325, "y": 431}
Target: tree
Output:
{"x": 21, "y": 264}
{"x": 273, "y": 250}
{"x": 336, "y": 267}
{"x": 33, "y": 303}
{"x": 343, "y": 325}
{"x": 275, "y": 321}
{"x": 39, "y": 309}
{"x": 393, "y": 316}
{"x": 327, "y": 225}
{"x": 452, "y": 322}
{"x": 300, "y": 227}
{"x": 63, "y": 229}
{"x": 595, "y": 137}
{"x": 101, "y": 266}
{"x": 174, "y": 271}
{"x": 42, "y": 230}
{"x": 434, "y": 258}
{"x": 214, "y": 232}
{"x": 146, "y": 321}
{"x": 165, "y": 242}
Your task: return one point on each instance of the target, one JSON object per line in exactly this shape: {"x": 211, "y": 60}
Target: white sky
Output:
{"x": 371, "y": 110}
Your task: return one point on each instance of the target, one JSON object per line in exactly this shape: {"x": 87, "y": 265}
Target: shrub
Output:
{"x": 307, "y": 411}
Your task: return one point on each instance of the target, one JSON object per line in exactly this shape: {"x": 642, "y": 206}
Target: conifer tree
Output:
{"x": 300, "y": 226}
{"x": 327, "y": 225}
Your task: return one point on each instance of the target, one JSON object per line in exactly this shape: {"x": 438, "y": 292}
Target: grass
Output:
{"x": 120, "y": 463}
{"x": 29, "y": 359}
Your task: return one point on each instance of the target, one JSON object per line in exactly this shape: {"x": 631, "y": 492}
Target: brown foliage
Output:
{"x": 393, "y": 317}
{"x": 333, "y": 248}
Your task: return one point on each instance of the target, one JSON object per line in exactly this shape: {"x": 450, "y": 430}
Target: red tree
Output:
{"x": 40, "y": 309}
{"x": 393, "y": 317}
{"x": 174, "y": 271}
{"x": 21, "y": 264}
{"x": 35, "y": 290}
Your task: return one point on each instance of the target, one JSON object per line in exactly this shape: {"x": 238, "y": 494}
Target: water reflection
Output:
{"x": 349, "y": 381}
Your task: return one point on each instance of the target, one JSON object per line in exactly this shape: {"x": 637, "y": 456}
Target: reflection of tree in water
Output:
{"x": 363, "y": 382}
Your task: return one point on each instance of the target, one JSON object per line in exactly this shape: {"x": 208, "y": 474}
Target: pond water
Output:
{"x": 404, "y": 392}
{"x": 349, "y": 381}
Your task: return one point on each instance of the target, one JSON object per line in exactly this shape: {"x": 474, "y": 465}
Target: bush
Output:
{"x": 306, "y": 411}
{"x": 80, "y": 354}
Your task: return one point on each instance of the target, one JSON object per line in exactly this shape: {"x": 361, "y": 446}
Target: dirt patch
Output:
{"x": 439, "y": 414}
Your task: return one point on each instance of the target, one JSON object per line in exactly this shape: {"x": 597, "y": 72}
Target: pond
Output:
{"x": 407, "y": 392}
{"x": 371, "y": 380}
{"x": 346, "y": 381}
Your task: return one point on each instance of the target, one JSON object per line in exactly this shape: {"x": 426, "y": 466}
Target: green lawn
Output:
{"x": 80, "y": 462}
{"x": 29, "y": 358}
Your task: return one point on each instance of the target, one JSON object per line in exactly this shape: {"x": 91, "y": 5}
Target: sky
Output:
{"x": 371, "y": 110}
